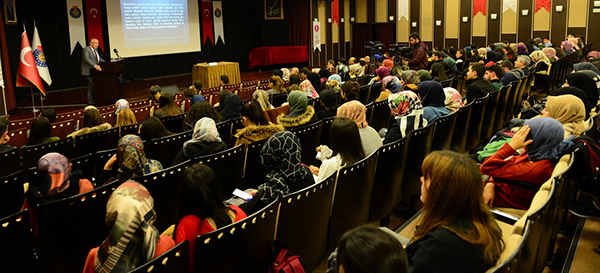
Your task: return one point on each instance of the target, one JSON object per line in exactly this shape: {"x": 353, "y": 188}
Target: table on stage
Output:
{"x": 211, "y": 75}
{"x": 268, "y": 55}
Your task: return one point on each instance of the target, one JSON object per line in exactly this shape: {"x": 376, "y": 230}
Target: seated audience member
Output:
{"x": 433, "y": 99}
{"x": 350, "y": 91}
{"x": 167, "y": 107}
{"x": 541, "y": 62}
{"x": 352, "y": 61}
{"x": 438, "y": 72}
{"x": 408, "y": 115}
{"x": 333, "y": 83}
{"x": 294, "y": 80}
{"x": 330, "y": 66}
{"x": 490, "y": 58}
{"x": 582, "y": 66}
{"x": 542, "y": 139}
{"x": 457, "y": 231}
{"x": 155, "y": 93}
{"x": 356, "y": 70}
{"x": 282, "y": 155}
{"x": 510, "y": 52}
{"x": 593, "y": 56}
{"x": 370, "y": 249}
{"x": 337, "y": 78}
{"x": 324, "y": 74}
{"x": 346, "y": 149}
{"x": 547, "y": 42}
{"x": 256, "y": 126}
{"x": 300, "y": 112}
{"x": 276, "y": 85}
{"x": 128, "y": 162}
{"x": 50, "y": 114}
{"x": 567, "y": 47}
{"x": 424, "y": 75}
{"x": 477, "y": 87}
{"x": 510, "y": 74}
{"x": 120, "y": 105}
{"x": 129, "y": 208}
{"x": 356, "y": 111}
{"x": 586, "y": 84}
{"x": 92, "y": 122}
{"x": 410, "y": 80}
{"x": 303, "y": 72}
{"x": 381, "y": 72}
{"x": 224, "y": 80}
{"x": 262, "y": 97}
{"x": 314, "y": 79}
{"x": 328, "y": 103}
{"x": 41, "y": 132}
{"x": 521, "y": 50}
{"x": 278, "y": 72}
{"x": 199, "y": 110}
{"x": 286, "y": 73}
{"x": 453, "y": 99}
{"x": 522, "y": 63}
{"x": 309, "y": 89}
{"x": 570, "y": 90}
{"x": 570, "y": 111}
{"x": 550, "y": 54}
{"x": 341, "y": 68}
{"x": 188, "y": 93}
{"x": 493, "y": 73}
{"x": 363, "y": 67}
{"x": 222, "y": 97}
{"x": 58, "y": 181}
{"x": 201, "y": 208}
{"x": 392, "y": 84}
{"x": 294, "y": 71}
{"x": 196, "y": 98}
{"x": 231, "y": 108}
{"x": 196, "y": 86}
{"x": 152, "y": 128}
{"x": 501, "y": 54}
{"x": 125, "y": 117}
{"x": 4, "y": 138}
{"x": 205, "y": 141}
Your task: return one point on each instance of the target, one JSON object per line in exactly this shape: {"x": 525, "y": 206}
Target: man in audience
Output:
{"x": 330, "y": 64}
{"x": 155, "y": 93}
{"x": 351, "y": 61}
{"x": 419, "y": 55}
{"x": 196, "y": 86}
{"x": 477, "y": 87}
{"x": 188, "y": 93}
{"x": 509, "y": 74}
{"x": 294, "y": 70}
{"x": 341, "y": 68}
{"x": 303, "y": 72}
{"x": 368, "y": 59}
{"x": 224, "y": 80}
{"x": 4, "y": 138}
{"x": 278, "y": 72}
{"x": 581, "y": 39}
{"x": 493, "y": 73}
{"x": 522, "y": 63}
{"x": 547, "y": 42}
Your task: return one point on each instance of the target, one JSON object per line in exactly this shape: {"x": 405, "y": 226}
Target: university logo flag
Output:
{"x": 218, "y": 21}
{"x": 207, "y": 24}
{"x": 28, "y": 74}
{"x": 316, "y": 36}
{"x": 403, "y": 10}
{"x": 76, "y": 30}
{"x": 40, "y": 58}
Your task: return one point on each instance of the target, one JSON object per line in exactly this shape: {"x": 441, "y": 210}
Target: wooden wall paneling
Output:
{"x": 427, "y": 22}
{"x": 438, "y": 31}
{"x": 452, "y": 22}
{"x": 525, "y": 25}
{"x": 329, "y": 32}
{"x": 593, "y": 28}
{"x": 559, "y": 22}
{"x": 577, "y": 31}
{"x": 371, "y": 9}
{"x": 392, "y": 10}
{"x": 479, "y": 41}
{"x": 466, "y": 10}
{"x": 342, "y": 30}
{"x": 493, "y": 26}
{"x": 348, "y": 50}
{"x": 415, "y": 16}
{"x": 511, "y": 37}
{"x": 541, "y": 34}
{"x": 324, "y": 25}
{"x": 453, "y": 42}
{"x": 352, "y": 16}
{"x": 381, "y": 11}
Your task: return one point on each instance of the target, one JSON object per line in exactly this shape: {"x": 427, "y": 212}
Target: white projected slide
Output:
{"x": 153, "y": 27}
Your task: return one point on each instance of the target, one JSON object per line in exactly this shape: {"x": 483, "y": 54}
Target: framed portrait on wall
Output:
{"x": 273, "y": 9}
{"x": 10, "y": 13}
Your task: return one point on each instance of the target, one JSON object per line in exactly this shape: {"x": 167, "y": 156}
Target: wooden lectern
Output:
{"x": 108, "y": 83}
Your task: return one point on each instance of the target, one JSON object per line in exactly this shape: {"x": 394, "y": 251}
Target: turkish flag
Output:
{"x": 28, "y": 74}
{"x": 207, "y": 24}
{"x": 93, "y": 19}
{"x": 335, "y": 12}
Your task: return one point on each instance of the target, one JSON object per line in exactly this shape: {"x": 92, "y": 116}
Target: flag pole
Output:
{"x": 33, "y": 109}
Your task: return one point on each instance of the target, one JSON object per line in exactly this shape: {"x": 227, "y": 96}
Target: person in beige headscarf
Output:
{"x": 570, "y": 111}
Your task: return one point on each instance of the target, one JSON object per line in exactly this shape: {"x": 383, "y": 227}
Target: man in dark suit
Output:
{"x": 90, "y": 58}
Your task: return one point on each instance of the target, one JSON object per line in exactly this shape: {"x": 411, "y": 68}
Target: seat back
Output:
{"x": 442, "y": 136}
{"x": 489, "y": 115}
{"x": 164, "y": 188}
{"x": 273, "y": 113}
{"x": 228, "y": 165}
{"x": 85, "y": 164}
{"x": 236, "y": 125}
{"x": 387, "y": 186}
{"x": 31, "y": 154}
{"x": 510, "y": 259}
{"x": 173, "y": 260}
{"x": 446, "y": 83}
{"x": 254, "y": 171}
{"x": 381, "y": 115}
{"x": 304, "y": 220}
{"x": 512, "y": 100}
{"x": 100, "y": 158}
{"x": 476, "y": 122}
{"x": 18, "y": 138}
{"x": 501, "y": 107}
{"x": 325, "y": 133}
{"x": 165, "y": 149}
{"x": 16, "y": 250}
{"x": 461, "y": 127}
{"x": 20, "y": 124}
{"x": 277, "y": 99}
{"x": 83, "y": 216}
{"x": 310, "y": 136}
{"x": 244, "y": 246}
{"x": 419, "y": 145}
{"x": 375, "y": 91}
{"x": 352, "y": 198}
{"x": 132, "y": 129}
{"x": 363, "y": 94}
{"x": 11, "y": 194}
{"x": 174, "y": 123}
{"x": 141, "y": 113}
{"x": 10, "y": 162}
{"x": 224, "y": 128}
{"x": 63, "y": 128}
{"x": 97, "y": 141}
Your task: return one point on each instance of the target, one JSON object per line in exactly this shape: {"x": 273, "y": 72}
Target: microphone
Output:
{"x": 117, "y": 52}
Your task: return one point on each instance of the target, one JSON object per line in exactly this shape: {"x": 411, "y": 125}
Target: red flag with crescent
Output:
{"x": 28, "y": 74}
{"x": 207, "y": 24}
{"x": 542, "y": 4}
{"x": 479, "y": 5}
{"x": 93, "y": 21}
{"x": 335, "y": 12}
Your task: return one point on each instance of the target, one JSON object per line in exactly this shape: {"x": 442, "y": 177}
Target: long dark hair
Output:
{"x": 91, "y": 117}
{"x": 345, "y": 140}
{"x": 294, "y": 79}
{"x": 167, "y": 103}
{"x": 200, "y": 195}
{"x": 153, "y": 127}
{"x": 437, "y": 70}
{"x": 199, "y": 110}
{"x": 223, "y": 96}
{"x": 40, "y": 131}
{"x": 254, "y": 112}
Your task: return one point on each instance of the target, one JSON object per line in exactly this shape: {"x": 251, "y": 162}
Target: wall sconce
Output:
{"x": 391, "y": 18}
{"x": 596, "y": 4}
{"x": 493, "y": 16}
{"x": 342, "y": 20}
{"x": 352, "y": 19}
{"x": 414, "y": 24}
{"x": 465, "y": 19}
{"x": 559, "y": 8}
{"x": 438, "y": 23}
{"x": 329, "y": 20}
{"x": 525, "y": 12}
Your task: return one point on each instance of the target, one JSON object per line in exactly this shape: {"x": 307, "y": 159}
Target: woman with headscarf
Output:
{"x": 550, "y": 53}
{"x": 286, "y": 73}
{"x": 570, "y": 90}
{"x": 433, "y": 99}
{"x": 231, "y": 108}
{"x": 453, "y": 99}
{"x": 335, "y": 77}
{"x": 120, "y": 105}
{"x": 205, "y": 141}
{"x": 381, "y": 72}
{"x": 575, "y": 42}
{"x": 567, "y": 47}
{"x": 324, "y": 74}
{"x": 521, "y": 49}
{"x": 356, "y": 111}
{"x": 540, "y": 61}
{"x": 314, "y": 78}
{"x": 392, "y": 84}
{"x": 129, "y": 161}
{"x": 410, "y": 80}
{"x": 593, "y": 56}
{"x": 542, "y": 139}
{"x": 133, "y": 239}
{"x": 582, "y": 66}
{"x": 424, "y": 75}
{"x": 309, "y": 89}
{"x": 262, "y": 97}
{"x": 586, "y": 84}
{"x": 490, "y": 58}
{"x": 570, "y": 111}
{"x": 356, "y": 71}
{"x": 408, "y": 115}
{"x": 300, "y": 112}
{"x": 282, "y": 155}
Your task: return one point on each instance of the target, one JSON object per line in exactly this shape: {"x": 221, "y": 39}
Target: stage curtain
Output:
{"x": 299, "y": 23}
{"x": 9, "y": 90}
{"x": 360, "y": 34}
{"x": 386, "y": 34}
